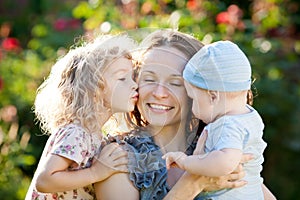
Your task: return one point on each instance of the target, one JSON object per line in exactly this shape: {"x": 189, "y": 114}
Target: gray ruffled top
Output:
{"x": 146, "y": 166}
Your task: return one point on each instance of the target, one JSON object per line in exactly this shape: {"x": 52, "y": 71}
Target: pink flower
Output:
{"x": 74, "y": 23}
{"x": 60, "y": 24}
{"x": 84, "y": 153}
{"x": 223, "y": 18}
{"x": 65, "y": 24}
{"x": 235, "y": 10}
{"x": 233, "y": 17}
{"x": 10, "y": 44}
{"x": 68, "y": 147}
{"x": 191, "y": 4}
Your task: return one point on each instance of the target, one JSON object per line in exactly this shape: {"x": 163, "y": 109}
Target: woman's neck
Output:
{"x": 169, "y": 138}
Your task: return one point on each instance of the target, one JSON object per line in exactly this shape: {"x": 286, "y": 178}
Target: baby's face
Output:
{"x": 203, "y": 108}
{"x": 120, "y": 89}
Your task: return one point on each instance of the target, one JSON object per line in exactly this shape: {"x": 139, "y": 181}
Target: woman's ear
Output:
{"x": 214, "y": 96}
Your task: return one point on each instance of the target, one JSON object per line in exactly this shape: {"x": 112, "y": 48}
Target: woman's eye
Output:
{"x": 176, "y": 84}
{"x": 122, "y": 79}
{"x": 149, "y": 80}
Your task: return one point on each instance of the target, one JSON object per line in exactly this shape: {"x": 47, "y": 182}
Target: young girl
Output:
{"x": 83, "y": 90}
{"x": 218, "y": 78}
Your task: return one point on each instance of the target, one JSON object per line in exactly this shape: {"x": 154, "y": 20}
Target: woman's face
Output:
{"x": 163, "y": 99}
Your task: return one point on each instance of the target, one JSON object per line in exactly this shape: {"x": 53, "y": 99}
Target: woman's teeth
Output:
{"x": 159, "y": 107}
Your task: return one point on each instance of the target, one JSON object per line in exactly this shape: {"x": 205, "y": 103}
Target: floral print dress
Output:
{"x": 74, "y": 143}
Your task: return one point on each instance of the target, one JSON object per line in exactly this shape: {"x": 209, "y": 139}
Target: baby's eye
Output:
{"x": 121, "y": 79}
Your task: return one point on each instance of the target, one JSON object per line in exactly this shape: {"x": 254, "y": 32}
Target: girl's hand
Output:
{"x": 112, "y": 159}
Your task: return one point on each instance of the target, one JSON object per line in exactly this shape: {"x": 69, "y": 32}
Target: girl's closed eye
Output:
{"x": 122, "y": 79}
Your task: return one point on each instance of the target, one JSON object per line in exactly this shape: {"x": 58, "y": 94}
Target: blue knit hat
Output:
{"x": 220, "y": 66}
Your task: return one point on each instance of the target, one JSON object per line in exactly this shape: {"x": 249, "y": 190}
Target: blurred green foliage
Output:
{"x": 34, "y": 33}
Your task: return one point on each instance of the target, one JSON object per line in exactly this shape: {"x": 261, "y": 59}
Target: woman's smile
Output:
{"x": 159, "y": 107}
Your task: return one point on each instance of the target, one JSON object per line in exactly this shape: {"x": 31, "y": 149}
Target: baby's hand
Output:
{"x": 175, "y": 159}
{"x": 112, "y": 159}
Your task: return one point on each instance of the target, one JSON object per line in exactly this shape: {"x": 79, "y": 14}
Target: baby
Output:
{"x": 218, "y": 80}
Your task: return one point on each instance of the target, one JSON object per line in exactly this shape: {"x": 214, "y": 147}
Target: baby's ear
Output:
{"x": 214, "y": 96}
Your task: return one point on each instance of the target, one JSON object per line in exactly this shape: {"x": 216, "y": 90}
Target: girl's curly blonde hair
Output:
{"x": 73, "y": 92}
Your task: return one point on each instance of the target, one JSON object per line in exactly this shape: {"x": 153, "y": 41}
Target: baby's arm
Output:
{"x": 53, "y": 175}
{"x": 215, "y": 163}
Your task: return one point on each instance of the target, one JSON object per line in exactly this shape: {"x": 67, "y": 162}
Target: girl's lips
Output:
{"x": 159, "y": 107}
{"x": 135, "y": 97}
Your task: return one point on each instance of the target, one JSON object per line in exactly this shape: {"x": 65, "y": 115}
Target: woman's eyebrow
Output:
{"x": 177, "y": 75}
{"x": 173, "y": 75}
{"x": 146, "y": 71}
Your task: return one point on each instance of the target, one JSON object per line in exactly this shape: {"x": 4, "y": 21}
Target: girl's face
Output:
{"x": 163, "y": 99}
{"x": 120, "y": 89}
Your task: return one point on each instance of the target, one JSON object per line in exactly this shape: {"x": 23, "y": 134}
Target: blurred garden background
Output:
{"x": 34, "y": 33}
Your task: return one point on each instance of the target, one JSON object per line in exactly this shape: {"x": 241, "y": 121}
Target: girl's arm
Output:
{"x": 54, "y": 176}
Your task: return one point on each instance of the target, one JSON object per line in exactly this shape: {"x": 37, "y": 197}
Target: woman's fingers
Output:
{"x": 236, "y": 184}
{"x": 236, "y": 176}
{"x": 238, "y": 169}
{"x": 246, "y": 157}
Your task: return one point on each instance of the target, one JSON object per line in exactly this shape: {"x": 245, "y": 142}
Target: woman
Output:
{"x": 164, "y": 123}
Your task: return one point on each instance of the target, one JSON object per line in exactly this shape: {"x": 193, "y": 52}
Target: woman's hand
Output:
{"x": 232, "y": 180}
{"x": 112, "y": 159}
{"x": 189, "y": 185}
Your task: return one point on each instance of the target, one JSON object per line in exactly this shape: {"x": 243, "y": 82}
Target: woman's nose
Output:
{"x": 160, "y": 91}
